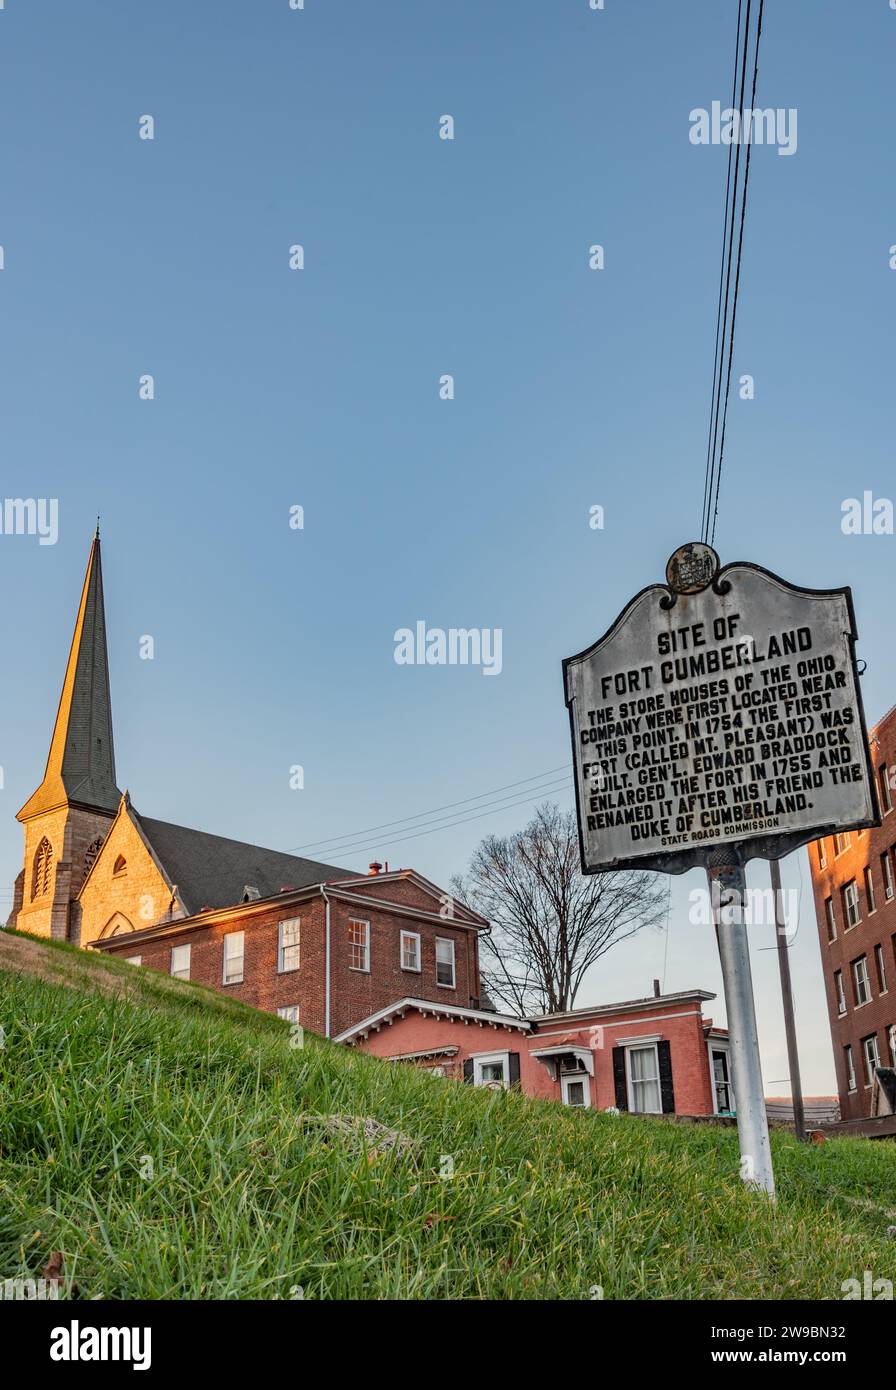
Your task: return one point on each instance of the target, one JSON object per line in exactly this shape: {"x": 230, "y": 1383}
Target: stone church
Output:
{"x": 281, "y": 932}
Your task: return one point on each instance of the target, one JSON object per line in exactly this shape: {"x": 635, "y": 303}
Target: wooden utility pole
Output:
{"x": 793, "y": 1058}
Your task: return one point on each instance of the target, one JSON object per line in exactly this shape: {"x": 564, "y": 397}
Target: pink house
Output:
{"x": 656, "y": 1055}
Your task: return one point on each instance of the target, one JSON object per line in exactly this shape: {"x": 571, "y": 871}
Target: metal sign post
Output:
{"x": 719, "y": 719}
{"x": 727, "y": 888}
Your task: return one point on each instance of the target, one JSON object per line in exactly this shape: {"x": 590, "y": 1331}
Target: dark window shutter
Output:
{"x": 514, "y": 1078}
{"x": 667, "y": 1093}
{"x": 468, "y": 1071}
{"x": 619, "y": 1078}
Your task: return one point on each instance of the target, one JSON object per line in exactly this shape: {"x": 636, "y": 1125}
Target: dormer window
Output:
{"x": 43, "y": 865}
{"x": 120, "y": 867}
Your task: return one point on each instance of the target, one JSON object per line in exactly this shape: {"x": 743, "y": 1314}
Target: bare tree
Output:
{"x": 550, "y": 922}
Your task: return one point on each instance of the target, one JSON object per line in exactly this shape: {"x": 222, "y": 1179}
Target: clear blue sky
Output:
{"x": 320, "y": 388}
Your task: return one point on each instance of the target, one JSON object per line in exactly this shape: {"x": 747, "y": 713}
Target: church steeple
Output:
{"x": 81, "y": 766}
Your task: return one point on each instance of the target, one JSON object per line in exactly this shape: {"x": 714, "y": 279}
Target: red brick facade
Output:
{"x": 583, "y": 1058}
{"x": 857, "y": 931}
{"x": 389, "y": 904}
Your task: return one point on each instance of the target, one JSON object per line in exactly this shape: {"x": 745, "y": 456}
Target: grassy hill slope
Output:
{"x": 172, "y": 1143}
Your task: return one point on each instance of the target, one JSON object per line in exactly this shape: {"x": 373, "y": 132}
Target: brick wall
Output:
{"x": 877, "y": 928}
{"x": 354, "y": 994}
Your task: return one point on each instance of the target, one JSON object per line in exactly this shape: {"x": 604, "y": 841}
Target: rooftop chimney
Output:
{"x": 373, "y": 869}
{"x": 656, "y": 989}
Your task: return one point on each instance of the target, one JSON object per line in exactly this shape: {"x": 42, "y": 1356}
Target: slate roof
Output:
{"x": 212, "y": 871}
{"x": 81, "y": 763}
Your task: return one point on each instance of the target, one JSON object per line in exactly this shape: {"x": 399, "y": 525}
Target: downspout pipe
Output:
{"x": 327, "y": 972}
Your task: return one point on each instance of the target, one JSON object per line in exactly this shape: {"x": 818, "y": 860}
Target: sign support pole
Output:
{"x": 727, "y": 887}
{"x": 793, "y": 1056}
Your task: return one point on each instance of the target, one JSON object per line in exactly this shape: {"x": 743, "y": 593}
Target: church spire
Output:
{"x": 81, "y": 765}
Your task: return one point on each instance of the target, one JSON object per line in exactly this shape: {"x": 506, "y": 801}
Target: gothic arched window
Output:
{"x": 91, "y": 853}
{"x": 120, "y": 866}
{"x": 43, "y": 863}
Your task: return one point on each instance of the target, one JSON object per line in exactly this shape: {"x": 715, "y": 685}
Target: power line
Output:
{"x": 421, "y": 815}
{"x": 713, "y": 403}
{"x": 465, "y": 820}
{"x": 740, "y": 248}
{"x": 725, "y": 327}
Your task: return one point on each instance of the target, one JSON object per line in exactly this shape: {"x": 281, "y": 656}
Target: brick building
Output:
{"x": 853, "y": 879}
{"x": 314, "y": 941}
{"x": 656, "y": 1055}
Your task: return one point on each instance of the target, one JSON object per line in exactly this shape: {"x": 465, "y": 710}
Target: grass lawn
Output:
{"x": 169, "y": 1142}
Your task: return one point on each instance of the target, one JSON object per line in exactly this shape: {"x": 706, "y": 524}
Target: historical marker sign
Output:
{"x": 722, "y": 708}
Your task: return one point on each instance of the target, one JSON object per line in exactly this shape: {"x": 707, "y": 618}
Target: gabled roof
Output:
{"x": 212, "y": 871}
{"x": 81, "y": 763}
{"x": 374, "y": 1022}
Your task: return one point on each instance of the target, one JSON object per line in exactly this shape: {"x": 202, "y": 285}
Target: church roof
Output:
{"x": 81, "y": 763}
{"x": 212, "y": 871}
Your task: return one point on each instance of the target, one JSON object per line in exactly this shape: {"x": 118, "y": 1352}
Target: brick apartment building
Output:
{"x": 854, "y": 882}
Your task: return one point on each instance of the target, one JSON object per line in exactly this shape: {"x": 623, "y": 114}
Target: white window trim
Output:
{"x": 296, "y": 946}
{"x": 181, "y": 975}
{"x": 880, "y": 965}
{"x": 630, "y": 1092}
{"x": 854, "y": 899}
{"x": 578, "y": 1076}
{"x": 862, "y": 961}
{"x": 850, "y": 1064}
{"x": 241, "y": 955}
{"x": 360, "y": 922}
{"x": 872, "y": 1038}
{"x": 414, "y": 969}
{"x": 870, "y": 891}
{"x": 448, "y": 941}
{"x": 840, "y": 991}
{"x": 483, "y": 1059}
{"x": 830, "y": 920}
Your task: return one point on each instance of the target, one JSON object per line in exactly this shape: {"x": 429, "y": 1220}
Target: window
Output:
{"x": 869, "y": 891}
{"x": 288, "y": 933}
{"x": 234, "y": 947}
{"x": 881, "y": 969}
{"x": 574, "y": 1090}
{"x": 290, "y": 1012}
{"x": 891, "y": 1042}
{"x": 831, "y": 919}
{"x": 359, "y": 944}
{"x": 721, "y": 1080}
{"x": 850, "y": 1069}
{"x": 850, "y": 894}
{"x": 410, "y": 950}
{"x": 91, "y": 853}
{"x": 134, "y": 960}
{"x": 180, "y": 962}
{"x": 883, "y": 786}
{"x": 444, "y": 962}
{"x": 871, "y": 1055}
{"x": 860, "y": 980}
{"x": 841, "y": 992}
{"x": 886, "y": 871}
{"x": 822, "y": 854}
{"x": 841, "y": 843}
{"x": 492, "y": 1069}
{"x": 43, "y": 864}
{"x": 644, "y": 1080}
{"x": 119, "y": 867}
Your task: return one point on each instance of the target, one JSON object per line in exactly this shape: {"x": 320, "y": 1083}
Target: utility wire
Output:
{"x": 421, "y": 815}
{"x": 465, "y": 820}
{"x": 740, "y": 248}
{"x": 729, "y": 212}
{"x": 725, "y": 326}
